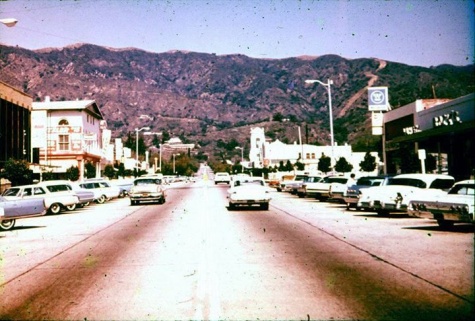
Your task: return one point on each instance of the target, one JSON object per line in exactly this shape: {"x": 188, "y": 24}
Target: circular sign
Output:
{"x": 377, "y": 97}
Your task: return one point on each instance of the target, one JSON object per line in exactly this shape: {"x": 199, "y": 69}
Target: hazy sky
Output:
{"x": 417, "y": 32}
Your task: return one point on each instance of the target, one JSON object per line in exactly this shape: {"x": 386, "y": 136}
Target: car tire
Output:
{"x": 231, "y": 207}
{"x": 7, "y": 225}
{"x": 265, "y": 207}
{"x": 384, "y": 213}
{"x": 101, "y": 200}
{"x": 86, "y": 204}
{"x": 133, "y": 203}
{"x": 55, "y": 208}
{"x": 71, "y": 207}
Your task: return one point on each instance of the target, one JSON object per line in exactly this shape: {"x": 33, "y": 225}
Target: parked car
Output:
{"x": 11, "y": 210}
{"x": 353, "y": 192}
{"x": 101, "y": 188}
{"x": 248, "y": 192}
{"x": 337, "y": 190}
{"x": 85, "y": 196}
{"x": 222, "y": 177}
{"x": 456, "y": 206}
{"x": 395, "y": 196}
{"x": 302, "y": 189}
{"x": 321, "y": 190}
{"x": 147, "y": 189}
{"x": 291, "y": 185}
{"x": 57, "y": 196}
{"x": 124, "y": 186}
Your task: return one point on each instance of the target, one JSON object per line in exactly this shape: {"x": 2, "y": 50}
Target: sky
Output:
{"x": 414, "y": 32}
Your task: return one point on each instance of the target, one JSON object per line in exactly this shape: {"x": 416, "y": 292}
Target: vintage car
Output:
{"x": 337, "y": 190}
{"x": 85, "y": 196}
{"x": 321, "y": 190}
{"x": 395, "y": 196}
{"x": 455, "y": 206}
{"x": 147, "y": 189}
{"x": 124, "y": 186}
{"x": 11, "y": 210}
{"x": 57, "y": 196}
{"x": 353, "y": 192}
{"x": 248, "y": 192}
{"x": 292, "y": 185}
{"x": 222, "y": 177}
{"x": 102, "y": 189}
{"x": 302, "y": 189}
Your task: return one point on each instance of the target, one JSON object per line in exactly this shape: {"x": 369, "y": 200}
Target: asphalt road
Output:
{"x": 191, "y": 258}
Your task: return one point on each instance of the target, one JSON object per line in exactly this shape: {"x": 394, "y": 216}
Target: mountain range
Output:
{"x": 214, "y": 100}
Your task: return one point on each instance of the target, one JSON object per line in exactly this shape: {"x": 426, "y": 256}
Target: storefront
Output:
{"x": 444, "y": 128}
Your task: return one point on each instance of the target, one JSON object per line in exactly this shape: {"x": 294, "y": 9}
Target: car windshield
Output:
{"x": 249, "y": 183}
{"x": 463, "y": 189}
{"x": 408, "y": 182}
{"x": 11, "y": 192}
{"x": 147, "y": 181}
{"x": 341, "y": 180}
{"x": 369, "y": 181}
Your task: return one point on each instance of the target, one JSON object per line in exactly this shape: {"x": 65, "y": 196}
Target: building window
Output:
{"x": 63, "y": 122}
{"x": 63, "y": 142}
{"x": 313, "y": 155}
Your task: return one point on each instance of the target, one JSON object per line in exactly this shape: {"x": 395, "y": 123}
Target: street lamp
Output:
{"x": 328, "y": 85}
{"x": 9, "y": 22}
{"x": 242, "y": 157}
{"x": 137, "y": 130}
{"x": 174, "y": 162}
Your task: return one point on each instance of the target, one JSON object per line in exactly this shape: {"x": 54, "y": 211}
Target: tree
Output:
{"x": 17, "y": 172}
{"x": 90, "y": 170}
{"x": 324, "y": 164}
{"x": 288, "y": 166}
{"x": 368, "y": 164}
{"x": 300, "y": 166}
{"x": 109, "y": 171}
{"x": 277, "y": 117}
{"x": 72, "y": 173}
{"x": 343, "y": 166}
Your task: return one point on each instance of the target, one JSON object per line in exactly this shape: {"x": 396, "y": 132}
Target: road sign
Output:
{"x": 378, "y": 99}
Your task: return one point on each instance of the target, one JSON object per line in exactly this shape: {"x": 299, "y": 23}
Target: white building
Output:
{"x": 264, "y": 153}
{"x": 69, "y": 133}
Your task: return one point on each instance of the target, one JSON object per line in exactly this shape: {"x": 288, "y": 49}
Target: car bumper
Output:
{"x": 147, "y": 198}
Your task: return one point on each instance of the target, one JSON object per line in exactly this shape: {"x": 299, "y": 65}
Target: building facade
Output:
{"x": 265, "y": 153}
{"x": 15, "y": 124}
{"x": 69, "y": 133}
{"x": 445, "y": 128}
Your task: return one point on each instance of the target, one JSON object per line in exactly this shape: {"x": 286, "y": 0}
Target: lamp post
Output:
{"x": 9, "y": 22}
{"x": 242, "y": 157}
{"x": 328, "y": 85}
{"x": 137, "y": 130}
{"x": 174, "y": 162}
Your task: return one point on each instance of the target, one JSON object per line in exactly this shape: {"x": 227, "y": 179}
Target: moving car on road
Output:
{"x": 11, "y": 210}
{"x": 147, "y": 189}
{"x": 249, "y": 191}
{"x": 222, "y": 177}
{"x": 456, "y": 206}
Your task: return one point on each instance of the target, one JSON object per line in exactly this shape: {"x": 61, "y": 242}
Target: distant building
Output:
{"x": 69, "y": 133}
{"x": 264, "y": 153}
{"x": 175, "y": 145}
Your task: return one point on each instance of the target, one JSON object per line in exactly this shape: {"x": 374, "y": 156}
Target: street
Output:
{"x": 191, "y": 258}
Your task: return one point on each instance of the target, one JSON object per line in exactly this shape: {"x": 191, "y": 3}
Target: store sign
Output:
{"x": 411, "y": 130}
{"x": 378, "y": 99}
{"x": 447, "y": 119}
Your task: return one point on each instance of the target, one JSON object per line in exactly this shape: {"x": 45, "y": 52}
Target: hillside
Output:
{"x": 204, "y": 98}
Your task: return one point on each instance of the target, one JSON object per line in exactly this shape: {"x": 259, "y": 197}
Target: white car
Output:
{"x": 222, "y": 177}
{"x": 147, "y": 189}
{"x": 248, "y": 192}
{"x": 56, "y": 196}
{"x": 102, "y": 189}
{"x": 455, "y": 206}
{"x": 395, "y": 196}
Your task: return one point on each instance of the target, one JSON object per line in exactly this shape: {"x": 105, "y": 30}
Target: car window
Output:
{"x": 39, "y": 191}
{"x": 57, "y": 188}
{"x": 462, "y": 189}
{"x": 408, "y": 182}
{"x": 27, "y": 192}
{"x": 341, "y": 180}
{"x": 442, "y": 183}
{"x": 11, "y": 192}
